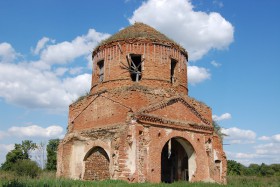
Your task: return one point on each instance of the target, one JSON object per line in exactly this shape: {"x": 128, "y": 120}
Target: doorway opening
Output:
{"x": 177, "y": 161}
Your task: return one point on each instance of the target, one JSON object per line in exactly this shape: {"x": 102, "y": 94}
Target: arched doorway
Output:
{"x": 96, "y": 164}
{"x": 177, "y": 160}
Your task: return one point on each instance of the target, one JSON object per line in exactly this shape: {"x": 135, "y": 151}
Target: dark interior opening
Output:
{"x": 136, "y": 68}
{"x": 172, "y": 70}
{"x": 174, "y": 163}
{"x": 100, "y": 65}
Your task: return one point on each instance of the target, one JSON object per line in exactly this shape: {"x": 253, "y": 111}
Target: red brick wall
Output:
{"x": 97, "y": 165}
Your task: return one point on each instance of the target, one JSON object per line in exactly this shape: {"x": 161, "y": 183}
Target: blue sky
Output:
{"x": 234, "y": 67}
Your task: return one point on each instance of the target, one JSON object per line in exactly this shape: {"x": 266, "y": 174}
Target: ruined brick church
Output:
{"x": 138, "y": 123}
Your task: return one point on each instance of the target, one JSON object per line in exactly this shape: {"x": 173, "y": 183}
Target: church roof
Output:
{"x": 140, "y": 31}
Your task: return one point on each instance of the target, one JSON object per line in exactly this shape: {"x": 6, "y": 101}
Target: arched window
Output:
{"x": 100, "y": 65}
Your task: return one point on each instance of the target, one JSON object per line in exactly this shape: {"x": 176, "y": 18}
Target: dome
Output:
{"x": 140, "y": 31}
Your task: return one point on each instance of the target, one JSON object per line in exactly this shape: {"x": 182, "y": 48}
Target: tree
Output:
{"x": 20, "y": 152}
{"x": 234, "y": 168}
{"x": 26, "y": 167}
{"x": 27, "y": 146}
{"x": 51, "y": 154}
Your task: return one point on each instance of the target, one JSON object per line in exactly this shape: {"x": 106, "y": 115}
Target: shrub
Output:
{"x": 26, "y": 168}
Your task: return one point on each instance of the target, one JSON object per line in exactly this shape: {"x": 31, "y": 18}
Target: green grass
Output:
{"x": 47, "y": 179}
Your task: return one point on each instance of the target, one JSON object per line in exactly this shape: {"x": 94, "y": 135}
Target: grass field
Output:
{"x": 47, "y": 179}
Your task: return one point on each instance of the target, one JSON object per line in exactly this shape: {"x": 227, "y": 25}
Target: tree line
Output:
{"x": 235, "y": 168}
{"x": 19, "y": 160}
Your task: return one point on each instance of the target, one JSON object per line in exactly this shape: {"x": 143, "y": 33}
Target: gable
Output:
{"x": 177, "y": 111}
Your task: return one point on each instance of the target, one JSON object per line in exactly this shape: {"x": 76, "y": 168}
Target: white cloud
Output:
{"x": 53, "y": 131}
{"x": 224, "y": 116}
{"x": 215, "y": 64}
{"x": 4, "y": 149}
{"x": 276, "y": 138}
{"x": 76, "y": 70}
{"x": 197, "y": 31}
{"x": 268, "y": 149}
{"x": 264, "y": 138}
{"x": 2, "y": 134}
{"x": 7, "y": 53}
{"x": 197, "y": 74}
{"x": 257, "y": 153}
{"x": 41, "y": 44}
{"x": 66, "y": 51}
{"x": 37, "y": 84}
{"x": 33, "y": 88}
{"x": 60, "y": 71}
{"x": 238, "y": 136}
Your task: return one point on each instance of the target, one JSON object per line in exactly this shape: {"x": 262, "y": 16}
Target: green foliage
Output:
{"x": 234, "y": 168}
{"x": 20, "y": 152}
{"x": 11, "y": 158}
{"x": 26, "y": 167}
{"x": 51, "y": 154}
{"x": 48, "y": 179}
{"x": 26, "y": 146}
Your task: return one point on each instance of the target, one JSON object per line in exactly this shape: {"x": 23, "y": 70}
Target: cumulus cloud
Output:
{"x": 33, "y": 88}
{"x": 264, "y": 138}
{"x": 197, "y": 74}
{"x": 224, "y": 116}
{"x": 268, "y": 149}
{"x": 66, "y": 51}
{"x": 53, "y": 131}
{"x": 7, "y": 53}
{"x": 48, "y": 83}
{"x": 257, "y": 153}
{"x": 197, "y": 31}
{"x": 238, "y": 136}
{"x": 276, "y": 138}
{"x": 41, "y": 44}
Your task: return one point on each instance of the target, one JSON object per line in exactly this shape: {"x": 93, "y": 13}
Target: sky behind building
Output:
{"x": 45, "y": 64}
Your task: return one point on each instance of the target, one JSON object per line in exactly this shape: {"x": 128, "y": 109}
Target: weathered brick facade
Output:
{"x": 138, "y": 123}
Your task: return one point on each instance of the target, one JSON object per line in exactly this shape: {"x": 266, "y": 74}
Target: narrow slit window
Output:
{"x": 100, "y": 65}
{"x": 135, "y": 67}
{"x": 172, "y": 70}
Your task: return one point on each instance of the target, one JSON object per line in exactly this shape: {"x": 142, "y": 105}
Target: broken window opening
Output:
{"x": 135, "y": 67}
{"x": 172, "y": 70}
{"x": 100, "y": 65}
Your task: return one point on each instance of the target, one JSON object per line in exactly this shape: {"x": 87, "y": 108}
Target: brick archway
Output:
{"x": 97, "y": 164}
{"x": 177, "y": 160}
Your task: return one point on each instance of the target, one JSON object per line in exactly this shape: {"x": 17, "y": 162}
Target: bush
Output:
{"x": 26, "y": 168}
